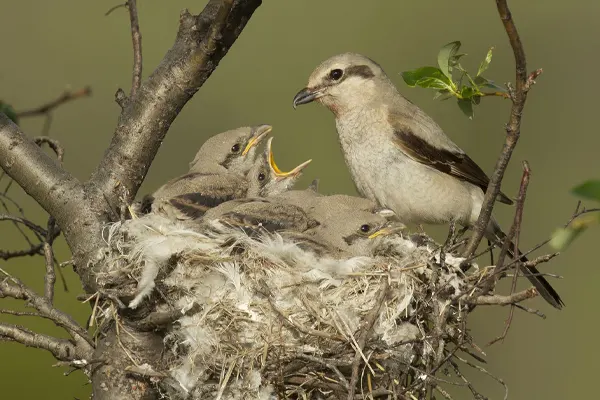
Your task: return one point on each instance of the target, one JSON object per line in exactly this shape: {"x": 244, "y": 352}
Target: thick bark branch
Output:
{"x": 112, "y": 381}
{"x": 56, "y": 190}
{"x": 202, "y": 41}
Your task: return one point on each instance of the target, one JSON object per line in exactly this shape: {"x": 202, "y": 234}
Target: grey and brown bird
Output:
{"x": 232, "y": 151}
{"x": 353, "y": 231}
{"x": 217, "y": 174}
{"x": 398, "y": 156}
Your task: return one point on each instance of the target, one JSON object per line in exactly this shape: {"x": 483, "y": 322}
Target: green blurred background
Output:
{"x": 48, "y": 46}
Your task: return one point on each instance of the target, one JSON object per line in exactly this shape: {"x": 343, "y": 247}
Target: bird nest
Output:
{"x": 257, "y": 316}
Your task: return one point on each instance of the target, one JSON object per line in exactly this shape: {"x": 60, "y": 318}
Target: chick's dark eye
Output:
{"x": 261, "y": 177}
{"x": 365, "y": 228}
{"x": 235, "y": 148}
{"x": 336, "y": 74}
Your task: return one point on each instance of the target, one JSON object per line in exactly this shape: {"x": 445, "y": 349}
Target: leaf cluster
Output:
{"x": 450, "y": 79}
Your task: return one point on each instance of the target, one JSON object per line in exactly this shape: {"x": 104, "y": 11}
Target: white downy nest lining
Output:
{"x": 271, "y": 320}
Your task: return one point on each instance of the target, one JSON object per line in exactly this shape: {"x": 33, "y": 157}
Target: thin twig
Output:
{"x": 161, "y": 320}
{"x": 496, "y": 94}
{"x": 530, "y": 310}
{"x": 17, "y": 290}
{"x": 364, "y": 334}
{"x": 136, "y": 38}
{"x": 33, "y": 227}
{"x": 501, "y": 300}
{"x": 110, "y": 10}
{"x": 513, "y": 128}
{"x": 53, "y": 144}
{"x": 50, "y": 276}
{"x": 62, "y": 349}
{"x": 328, "y": 365}
{"x": 65, "y": 97}
{"x": 483, "y": 370}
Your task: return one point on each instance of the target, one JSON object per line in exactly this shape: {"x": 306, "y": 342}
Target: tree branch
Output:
{"x": 65, "y": 97}
{"x": 62, "y": 349}
{"x": 500, "y": 300}
{"x": 513, "y": 128}
{"x": 56, "y": 190}
{"x": 136, "y": 38}
{"x": 202, "y": 41}
{"x": 17, "y": 290}
{"x": 515, "y": 231}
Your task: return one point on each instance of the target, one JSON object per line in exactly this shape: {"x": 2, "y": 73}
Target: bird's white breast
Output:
{"x": 382, "y": 172}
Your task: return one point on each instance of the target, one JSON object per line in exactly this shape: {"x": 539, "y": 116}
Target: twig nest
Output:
{"x": 263, "y": 317}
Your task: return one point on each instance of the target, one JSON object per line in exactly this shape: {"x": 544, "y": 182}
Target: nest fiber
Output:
{"x": 262, "y": 317}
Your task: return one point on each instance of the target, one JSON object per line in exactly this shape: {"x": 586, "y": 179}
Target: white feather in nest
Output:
{"x": 244, "y": 299}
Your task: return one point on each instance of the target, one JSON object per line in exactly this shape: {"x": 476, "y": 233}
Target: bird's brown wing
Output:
{"x": 194, "y": 205}
{"x": 452, "y": 163}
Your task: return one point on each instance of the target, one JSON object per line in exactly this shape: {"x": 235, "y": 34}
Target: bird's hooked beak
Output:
{"x": 307, "y": 95}
{"x": 279, "y": 174}
{"x": 389, "y": 229}
{"x": 259, "y": 134}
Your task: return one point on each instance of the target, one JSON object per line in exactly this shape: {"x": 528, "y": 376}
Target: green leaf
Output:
{"x": 442, "y": 95}
{"x": 588, "y": 190}
{"x": 467, "y": 92}
{"x": 486, "y": 83}
{"x": 453, "y": 61}
{"x": 466, "y": 106}
{"x": 427, "y": 77}
{"x": 485, "y": 63}
{"x": 563, "y": 237}
{"x": 9, "y": 111}
{"x": 446, "y": 54}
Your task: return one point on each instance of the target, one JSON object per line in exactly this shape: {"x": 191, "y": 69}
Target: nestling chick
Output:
{"x": 265, "y": 179}
{"x": 231, "y": 151}
{"x": 217, "y": 174}
{"x": 354, "y": 232}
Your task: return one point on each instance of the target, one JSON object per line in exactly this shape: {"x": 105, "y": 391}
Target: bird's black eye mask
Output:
{"x": 337, "y": 75}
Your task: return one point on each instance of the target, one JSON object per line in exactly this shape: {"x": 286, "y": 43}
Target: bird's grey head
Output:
{"x": 343, "y": 82}
{"x": 355, "y": 230}
{"x": 233, "y": 150}
{"x": 265, "y": 179}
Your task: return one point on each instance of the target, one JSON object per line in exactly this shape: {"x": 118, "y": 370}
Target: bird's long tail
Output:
{"x": 495, "y": 234}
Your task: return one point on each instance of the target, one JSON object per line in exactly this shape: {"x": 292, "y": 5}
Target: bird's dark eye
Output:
{"x": 235, "y": 148}
{"x": 365, "y": 228}
{"x": 336, "y": 74}
{"x": 261, "y": 177}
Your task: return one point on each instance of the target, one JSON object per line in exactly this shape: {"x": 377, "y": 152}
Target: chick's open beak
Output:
{"x": 388, "y": 230}
{"x": 259, "y": 134}
{"x": 306, "y": 96}
{"x": 279, "y": 174}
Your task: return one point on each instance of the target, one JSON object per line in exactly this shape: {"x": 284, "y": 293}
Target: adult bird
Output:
{"x": 398, "y": 156}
